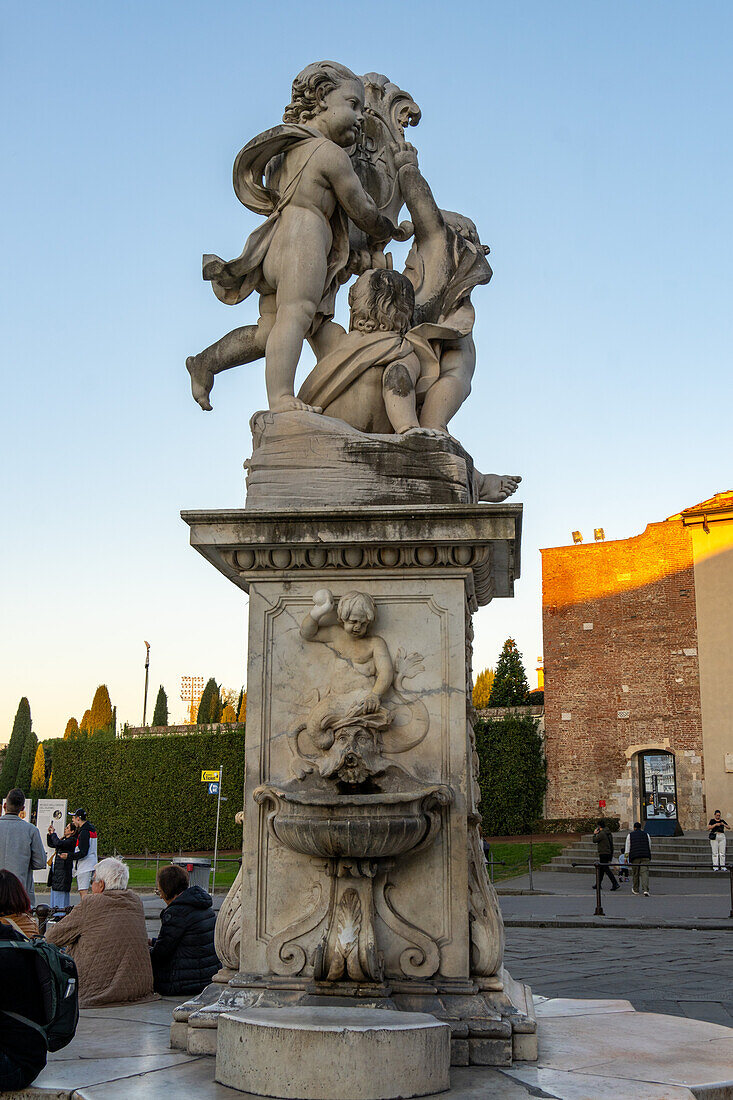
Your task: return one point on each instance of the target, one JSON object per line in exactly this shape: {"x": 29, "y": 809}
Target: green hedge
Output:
{"x": 147, "y": 793}
{"x": 512, "y": 774}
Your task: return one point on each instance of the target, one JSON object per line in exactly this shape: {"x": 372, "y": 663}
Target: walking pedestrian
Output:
{"x": 21, "y": 847}
{"x": 85, "y": 851}
{"x": 603, "y": 838}
{"x": 716, "y": 836}
{"x": 639, "y": 851}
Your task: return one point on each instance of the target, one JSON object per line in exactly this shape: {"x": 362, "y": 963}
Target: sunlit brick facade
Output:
{"x": 635, "y": 646}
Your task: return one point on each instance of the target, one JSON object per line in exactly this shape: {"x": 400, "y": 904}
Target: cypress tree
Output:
{"x": 210, "y": 705}
{"x": 71, "y": 733}
{"x": 242, "y": 710}
{"x": 49, "y": 744}
{"x": 38, "y": 775}
{"x": 510, "y": 687}
{"x": 512, "y": 774}
{"x": 85, "y": 724}
{"x": 25, "y": 768}
{"x": 160, "y": 714}
{"x": 101, "y": 718}
{"x": 21, "y": 729}
{"x": 482, "y": 688}
{"x": 239, "y": 701}
{"x": 228, "y": 714}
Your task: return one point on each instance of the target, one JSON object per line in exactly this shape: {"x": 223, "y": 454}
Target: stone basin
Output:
{"x": 373, "y": 825}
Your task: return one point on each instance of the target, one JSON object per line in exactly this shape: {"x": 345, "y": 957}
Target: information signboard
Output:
{"x": 49, "y": 810}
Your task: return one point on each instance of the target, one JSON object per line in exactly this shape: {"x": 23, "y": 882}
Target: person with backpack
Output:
{"x": 639, "y": 851}
{"x": 603, "y": 838}
{"x": 183, "y": 956}
{"x": 39, "y": 1005}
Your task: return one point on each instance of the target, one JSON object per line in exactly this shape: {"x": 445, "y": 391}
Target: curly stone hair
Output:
{"x": 382, "y": 299}
{"x": 357, "y": 602}
{"x": 311, "y": 85}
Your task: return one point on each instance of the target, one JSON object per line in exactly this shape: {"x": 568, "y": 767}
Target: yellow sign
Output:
{"x": 210, "y": 777}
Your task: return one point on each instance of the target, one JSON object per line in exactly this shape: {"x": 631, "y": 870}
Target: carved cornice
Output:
{"x": 479, "y": 542}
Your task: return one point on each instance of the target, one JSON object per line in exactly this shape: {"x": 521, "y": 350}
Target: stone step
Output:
{"x": 654, "y": 869}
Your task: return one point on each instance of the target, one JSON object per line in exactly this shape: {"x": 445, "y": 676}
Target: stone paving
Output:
{"x": 673, "y": 971}
{"x": 589, "y": 1050}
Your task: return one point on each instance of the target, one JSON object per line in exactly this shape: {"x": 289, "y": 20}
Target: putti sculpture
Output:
{"x": 367, "y": 541}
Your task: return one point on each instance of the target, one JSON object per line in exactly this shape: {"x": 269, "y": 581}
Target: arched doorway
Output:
{"x": 658, "y": 792}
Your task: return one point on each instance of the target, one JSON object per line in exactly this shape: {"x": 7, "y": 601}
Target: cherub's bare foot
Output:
{"x": 425, "y": 431}
{"x": 202, "y": 380}
{"x": 497, "y": 487}
{"x": 293, "y": 404}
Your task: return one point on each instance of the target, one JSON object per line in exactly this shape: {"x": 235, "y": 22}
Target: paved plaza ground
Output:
{"x": 670, "y": 954}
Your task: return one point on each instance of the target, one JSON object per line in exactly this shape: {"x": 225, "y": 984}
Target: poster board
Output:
{"x": 25, "y": 813}
{"x": 49, "y": 810}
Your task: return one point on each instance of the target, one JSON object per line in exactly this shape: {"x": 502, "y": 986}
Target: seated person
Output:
{"x": 22, "y": 1048}
{"x": 15, "y": 905}
{"x": 183, "y": 956}
{"x": 106, "y": 937}
{"x": 62, "y": 867}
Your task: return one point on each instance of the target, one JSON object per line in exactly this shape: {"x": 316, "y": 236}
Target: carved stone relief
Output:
{"x": 349, "y": 803}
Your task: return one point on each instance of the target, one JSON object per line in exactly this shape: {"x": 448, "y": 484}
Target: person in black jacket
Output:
{"x": 183, "y": 956}
{"x": 603, "y": 837}
{"x": 62, "y": 868}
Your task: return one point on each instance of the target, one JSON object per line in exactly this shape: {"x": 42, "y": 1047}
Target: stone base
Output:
{"x": 320, "y": 461}
{"x": 489, "y": 1027}
{"x": 333, "y": 1053}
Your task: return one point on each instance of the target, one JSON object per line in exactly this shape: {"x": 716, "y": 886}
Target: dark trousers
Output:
{"x": 606, "y": 870}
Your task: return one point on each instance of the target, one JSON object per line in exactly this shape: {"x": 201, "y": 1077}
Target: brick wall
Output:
{"x": 621, "y": 671}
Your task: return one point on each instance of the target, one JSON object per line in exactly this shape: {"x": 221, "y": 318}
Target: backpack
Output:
{"x": 59, "y": 988}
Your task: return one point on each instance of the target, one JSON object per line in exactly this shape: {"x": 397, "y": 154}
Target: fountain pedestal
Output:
{"x": 363, "y": 879}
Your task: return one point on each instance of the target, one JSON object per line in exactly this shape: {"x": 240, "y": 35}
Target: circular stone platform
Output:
{"x": 333, "y": 1053}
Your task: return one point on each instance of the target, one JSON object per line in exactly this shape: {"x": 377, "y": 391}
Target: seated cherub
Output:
{"x": 372, "y": 376}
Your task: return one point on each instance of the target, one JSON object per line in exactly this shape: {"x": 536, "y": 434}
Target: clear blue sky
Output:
{"x": 589, "y": 141}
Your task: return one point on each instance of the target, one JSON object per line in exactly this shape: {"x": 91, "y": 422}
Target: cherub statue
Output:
{"x": 445, "y": 263}
{"x": 372, "y": 376}
{"x": 300, "y": 176}
{"x": 364, "y": 660}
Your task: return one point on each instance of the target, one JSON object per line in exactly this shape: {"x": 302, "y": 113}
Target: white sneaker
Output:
{"x": 634, "y": 891}
{"x": 646, "y": 893}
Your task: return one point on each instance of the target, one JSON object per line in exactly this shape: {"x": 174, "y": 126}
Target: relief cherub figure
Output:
{"x": 300, "y": 176}
{"x": 363, "y": 660}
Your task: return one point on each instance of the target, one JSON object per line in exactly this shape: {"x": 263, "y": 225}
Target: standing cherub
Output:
{"x": 300, "y": 176}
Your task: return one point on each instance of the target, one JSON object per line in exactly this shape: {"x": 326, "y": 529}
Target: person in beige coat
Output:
{"x": 106, "y": 937}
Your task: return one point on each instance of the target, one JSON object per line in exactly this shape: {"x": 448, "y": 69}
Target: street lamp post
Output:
{"x": 147, "y": 666}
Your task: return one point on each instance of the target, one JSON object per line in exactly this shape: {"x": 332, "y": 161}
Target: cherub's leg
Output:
{"x": 242, "y": 345}
{"x": 447, "y": 394}
{"x": 296, "y": 264}
{"x": 326, "y": 338}
{"x": 398, "y": 391}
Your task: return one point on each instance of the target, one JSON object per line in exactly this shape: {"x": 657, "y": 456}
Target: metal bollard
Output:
{"x": 599, "y": 908}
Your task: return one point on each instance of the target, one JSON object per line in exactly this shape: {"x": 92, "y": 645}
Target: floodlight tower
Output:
{"x": 192, "y": 688}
